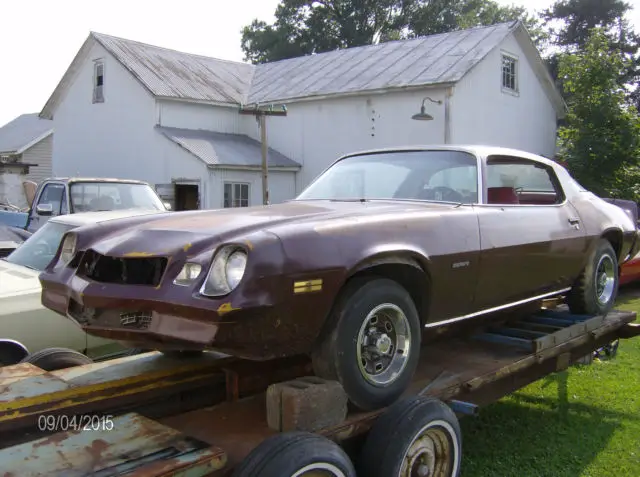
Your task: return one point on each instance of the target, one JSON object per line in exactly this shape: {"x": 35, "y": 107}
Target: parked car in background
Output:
{"x": 382, "y": 245}
{"x": 61, "y": 196}
{"x": 630, "y": 270}
{"x": 11, "y": 238}
{"x": 24, "y": 323}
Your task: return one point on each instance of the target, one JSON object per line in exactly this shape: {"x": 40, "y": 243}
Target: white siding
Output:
{"x": 201, "y": 116}
{"x": 316, "y": 133}
{"x": 40, "y": 153}
{"x": 281, "y": 186}
{"x": 116, "y": 138}
{"x": 483, "y": 114}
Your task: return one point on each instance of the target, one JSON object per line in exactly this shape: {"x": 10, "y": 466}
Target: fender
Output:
{"x": 12, "y": 352}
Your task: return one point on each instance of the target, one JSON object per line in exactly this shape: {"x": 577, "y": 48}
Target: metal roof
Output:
{"x": 435, "y": 59}
{"x": 23, "y": 132}
{"x": 442, "y": 58}
{"x": 220, "y": 149}
{"x": 174, "y": 74}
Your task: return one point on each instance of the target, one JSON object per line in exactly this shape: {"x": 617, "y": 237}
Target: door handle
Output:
{"x": 574, "y": 220}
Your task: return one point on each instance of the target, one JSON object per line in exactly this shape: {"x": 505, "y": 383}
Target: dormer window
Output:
{"x": 509, "y": 73}
{"x": 98, "y": 82}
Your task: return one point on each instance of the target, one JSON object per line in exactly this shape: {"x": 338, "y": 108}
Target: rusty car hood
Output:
{"x": 168, "y": 233}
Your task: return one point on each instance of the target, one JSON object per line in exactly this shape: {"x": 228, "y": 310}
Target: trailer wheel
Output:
{"x": 372, "y": 344}
{"x": 594, "y": 293}
{"x": 51, "y": 359}
{"x": 417, "y": 436}
{"x": 12, "y": 352}
{"x": 296, "y": 454}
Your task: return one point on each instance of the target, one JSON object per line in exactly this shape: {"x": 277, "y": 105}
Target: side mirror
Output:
{"x": 167, "y": 205}
{"x": 44, "y": 209}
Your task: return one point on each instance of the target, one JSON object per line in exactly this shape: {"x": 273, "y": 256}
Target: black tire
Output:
{"x": 51, "y": 359}
{"x": 336, "y": 355}
{"x": 11, "y": 352}
{"x": 284, "y": 455}
{"x": 397, "y": 430}
{"x": 583, "y": 297}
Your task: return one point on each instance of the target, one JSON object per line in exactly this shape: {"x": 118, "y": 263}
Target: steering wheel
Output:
{"x": 448, "y": 194}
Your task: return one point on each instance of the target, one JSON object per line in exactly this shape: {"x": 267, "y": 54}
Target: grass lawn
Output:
{"x": 583, "y": 422}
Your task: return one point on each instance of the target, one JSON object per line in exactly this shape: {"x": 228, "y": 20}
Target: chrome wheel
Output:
{"x": 384, "y": 343}
{"x": 319, "y": 470}
{"x": 433, "y": 452}
{"x": 605, "y": 279}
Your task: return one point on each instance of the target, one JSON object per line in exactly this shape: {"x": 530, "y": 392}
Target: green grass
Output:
{"x": 583, "y": 422}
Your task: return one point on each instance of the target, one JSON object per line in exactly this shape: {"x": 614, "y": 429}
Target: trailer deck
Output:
{"x": 155, "y": 416}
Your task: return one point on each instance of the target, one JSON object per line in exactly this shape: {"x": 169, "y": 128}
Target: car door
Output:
{"x": 50, "y": 202}
{"x": 532, "y": 242}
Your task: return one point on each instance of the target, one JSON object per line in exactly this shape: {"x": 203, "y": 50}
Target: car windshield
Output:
{"x": 39, "y": 249}
{"x": 96, "y": 196}
{"x": 443, "y": 176}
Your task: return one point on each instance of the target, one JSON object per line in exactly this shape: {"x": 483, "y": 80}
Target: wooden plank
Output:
{"x": 110, "y": 447}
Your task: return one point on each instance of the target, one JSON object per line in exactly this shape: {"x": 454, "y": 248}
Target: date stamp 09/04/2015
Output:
{"x": 75, "y": 422}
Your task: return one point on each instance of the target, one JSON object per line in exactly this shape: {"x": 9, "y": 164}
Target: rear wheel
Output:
{"x": 417, "y": 436}
{"x": 595, "y": 291}
{"x": 373, "y": 344}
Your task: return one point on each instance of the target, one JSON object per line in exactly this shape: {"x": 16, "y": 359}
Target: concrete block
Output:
{"x": 305, "y": 404}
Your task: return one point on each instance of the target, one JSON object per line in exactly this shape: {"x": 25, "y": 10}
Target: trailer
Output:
{"x": 215, "y": 415}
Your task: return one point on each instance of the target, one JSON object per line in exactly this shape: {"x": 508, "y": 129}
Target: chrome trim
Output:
{"x": 496, "y": 308}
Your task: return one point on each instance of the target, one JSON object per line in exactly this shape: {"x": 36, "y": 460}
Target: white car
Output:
{"x": 28, "y": 328}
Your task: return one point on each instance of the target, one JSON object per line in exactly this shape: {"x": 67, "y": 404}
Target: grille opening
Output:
{"x": 4, "y": 252}
{"x": 125, "y": 271}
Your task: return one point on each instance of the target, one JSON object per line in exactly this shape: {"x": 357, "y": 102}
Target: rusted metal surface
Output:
{"x": 273, "y": 313}
{"x": 130, "y": 444}
{"x": 152, "y": 384}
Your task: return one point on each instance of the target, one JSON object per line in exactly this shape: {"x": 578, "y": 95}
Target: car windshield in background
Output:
{"x": 97, "y": 196}
{"x": 442, "y": 176}
{"x": 39, "y": 249}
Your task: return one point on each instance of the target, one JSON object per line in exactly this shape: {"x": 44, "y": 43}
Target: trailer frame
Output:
{"x": 204, "y": 415}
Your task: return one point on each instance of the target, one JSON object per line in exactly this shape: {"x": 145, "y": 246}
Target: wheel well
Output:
{"x": 12, "y": 352}
{"x": 615, "y": 239}
{"x": 408, "y": 274}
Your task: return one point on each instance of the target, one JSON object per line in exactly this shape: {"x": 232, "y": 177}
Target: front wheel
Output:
{"x": 373, "y": 345}
{"x": 594, "y": 293}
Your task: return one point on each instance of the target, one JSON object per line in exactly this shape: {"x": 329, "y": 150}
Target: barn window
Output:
{"x": 236, "y": 194}
{"x": 98, "y": 82}
{"x": 509, "y": 73}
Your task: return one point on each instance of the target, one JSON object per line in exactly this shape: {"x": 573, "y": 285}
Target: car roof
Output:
{"x": 71, "y": 180}
{"x": 84, "y": 218}
{"x": 480, "y": 150}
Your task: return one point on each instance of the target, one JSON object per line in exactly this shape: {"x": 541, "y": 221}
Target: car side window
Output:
{"x": 53, "y": 194}
{"x": 513, "y": 181}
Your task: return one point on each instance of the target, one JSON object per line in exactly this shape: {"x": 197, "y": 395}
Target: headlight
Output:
{"x": 68, "y": 248}
{"x": 226, "y": 271}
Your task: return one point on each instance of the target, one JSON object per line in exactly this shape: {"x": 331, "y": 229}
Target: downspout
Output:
{"x": 447, "y": 114}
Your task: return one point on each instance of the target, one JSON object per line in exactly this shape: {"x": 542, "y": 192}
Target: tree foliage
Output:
{"x": 569, "y": 24}
{"x": 303, "y": 27}
{"x": 600, "y": 141}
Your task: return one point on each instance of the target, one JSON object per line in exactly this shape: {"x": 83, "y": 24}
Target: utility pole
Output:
{"x": 261, "y": 116}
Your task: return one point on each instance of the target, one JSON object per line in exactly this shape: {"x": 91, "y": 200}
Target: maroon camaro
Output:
{"x": 382, "y": 245}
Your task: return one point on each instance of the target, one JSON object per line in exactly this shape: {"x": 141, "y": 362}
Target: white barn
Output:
{"x": 133, "y": 110}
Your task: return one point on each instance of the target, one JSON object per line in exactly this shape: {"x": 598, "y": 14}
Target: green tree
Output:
{"x": 569, "y": 24}
{"x": 600, "y": 140}
{"x": 303, "y": 27}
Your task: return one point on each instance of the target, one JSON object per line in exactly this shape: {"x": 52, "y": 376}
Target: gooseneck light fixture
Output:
{"x": 423, "y": 115}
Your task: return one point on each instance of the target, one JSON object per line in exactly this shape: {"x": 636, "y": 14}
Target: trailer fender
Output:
{"x": 12, "y": 352}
